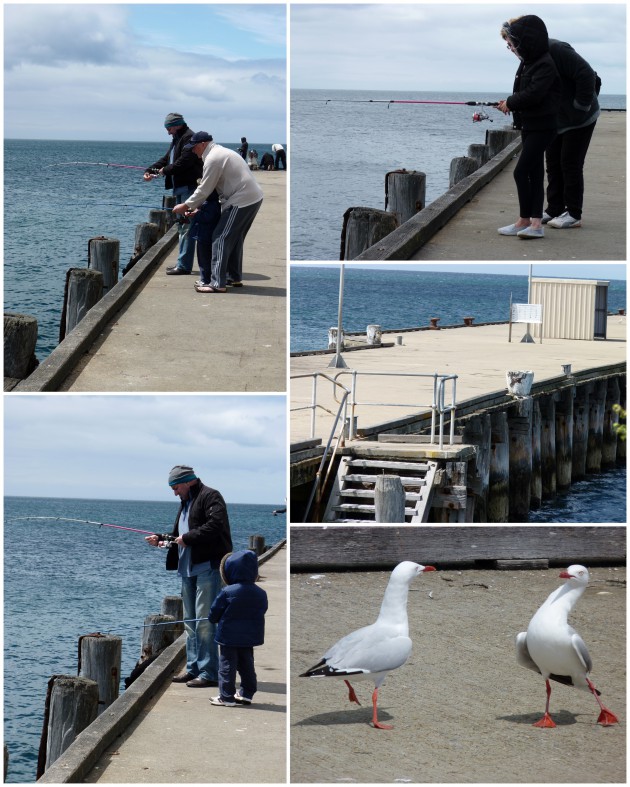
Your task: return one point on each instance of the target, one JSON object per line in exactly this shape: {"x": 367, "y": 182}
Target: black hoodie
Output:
{"x": 537, "y": 88}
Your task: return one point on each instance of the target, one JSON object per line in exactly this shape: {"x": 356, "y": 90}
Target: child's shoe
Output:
{"x": 240, "y": 699}
{"x": 221, "y": 701}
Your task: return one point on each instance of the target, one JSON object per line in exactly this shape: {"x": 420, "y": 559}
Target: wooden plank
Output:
{"x": 423, "y": 506}
{"x": 384, "y": 546}
{"x": 369, "y": 493}
{"x": 386, "y": 464}
{"x": 413, "y": 438}
{"x": 369, "y": 479}
{"x": 366, "y": 509}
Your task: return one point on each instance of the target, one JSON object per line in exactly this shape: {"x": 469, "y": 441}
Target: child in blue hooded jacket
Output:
{"x": 239, "y": 612}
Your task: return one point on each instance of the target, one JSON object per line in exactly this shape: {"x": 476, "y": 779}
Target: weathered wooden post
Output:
{"x": 480, "y": 153}
{"x": 499, "y": 473}
{"x": 173, "y": 606}
{"x": 535, "y": 499}
{"x": 461, "y": 168}
{"x": 71, "y": 706}
{"x": 168, "y": 202}
{"x": 477, "y": 431}
{"x": 20, "y": 338}
{"x": 159, "y": 217}
{"x": 499, "y": 138}
{"x": 611, "y": 419}
{"x": 548, "y": 446}
{"x": 257, "y": 544}
{"x": 564, "y": 437}
{"x": 156, "y": 637}
{"x": 332, "y": 338}
{"x": 374, "y": 334}
{"x": 84, "y": 289}
{"x": 597, "y": 403}
{"x": 405, "y": 193}
{"x": 146, "y": 236}
{"x": 520, "y": 426}
{"x": 580, "y": 431}
{"x": 100, "y": 658}
{"x": 389, "y": 499}
{"x": 104, "y": 256}
{"x": 362, "y": 228}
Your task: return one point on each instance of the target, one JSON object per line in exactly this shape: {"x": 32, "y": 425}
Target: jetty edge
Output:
{"x": 81, "y": 757}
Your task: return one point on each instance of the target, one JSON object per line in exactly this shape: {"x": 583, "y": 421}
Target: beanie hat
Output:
{"x": 173, "y": 119}
{"x": 180, "y": 474}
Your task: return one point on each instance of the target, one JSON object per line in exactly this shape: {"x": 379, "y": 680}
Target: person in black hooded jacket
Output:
{"x": 534, "y": 106}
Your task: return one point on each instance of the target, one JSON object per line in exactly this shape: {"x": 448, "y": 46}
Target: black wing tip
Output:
{"x": 324, "y": 670}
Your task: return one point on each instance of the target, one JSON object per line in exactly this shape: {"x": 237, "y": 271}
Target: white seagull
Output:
{"x": 551, "y": 647}
{"x": 373, "y": 651}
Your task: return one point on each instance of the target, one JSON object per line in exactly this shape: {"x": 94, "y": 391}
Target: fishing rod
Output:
{"x": 165, "y": 537}
{"x": 172, "y": 622}
{"x": 410, "y": 101}
{"x": 95, "y": 164}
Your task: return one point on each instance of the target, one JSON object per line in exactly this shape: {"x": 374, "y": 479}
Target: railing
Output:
{"x": 437, "y": 406}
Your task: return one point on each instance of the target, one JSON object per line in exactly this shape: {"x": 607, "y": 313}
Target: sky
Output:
{"x": 123, "y": 447}
{"x": 442, "y": 46}
{"x": 113, "y": 72}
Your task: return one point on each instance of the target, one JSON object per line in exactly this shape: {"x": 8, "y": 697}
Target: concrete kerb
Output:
{"x": 83, "y": 754}
{"x": 416, "y": 231}
{"x": 62, "y": 360}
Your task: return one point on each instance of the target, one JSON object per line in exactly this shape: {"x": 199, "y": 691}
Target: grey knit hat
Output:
{"x": 180, "y": 474}
{"x": 174, "y": 119}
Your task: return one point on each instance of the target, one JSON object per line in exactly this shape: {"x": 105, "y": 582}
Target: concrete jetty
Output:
{"x": 472, "y": 233}
{"x": 177, "y": 736}
{"x": 166, "y": 337}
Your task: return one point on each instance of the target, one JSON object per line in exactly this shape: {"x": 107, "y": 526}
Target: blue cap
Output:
{"x": 197, "y": 137}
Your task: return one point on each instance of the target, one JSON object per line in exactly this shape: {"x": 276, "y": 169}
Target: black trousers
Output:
{"x": 529, "y": 173}
{"x": 565, "y": 171}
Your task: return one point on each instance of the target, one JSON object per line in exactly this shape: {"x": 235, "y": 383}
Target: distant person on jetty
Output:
{"x": 242, "y": 151}
{"x": 241, "y": 198}
{"x": 281, "y": 156}
{"x": 181, "y": 170}
{"x": 239, "y": 612}
{"x": 266, "y": 162}
{"x": 579, "y": 110}
{"x": 252, "y": 159}
{"x": 534, "y": 104}
{"x": 202, "y": 539}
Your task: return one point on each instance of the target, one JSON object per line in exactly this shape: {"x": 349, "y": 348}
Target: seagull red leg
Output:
{"x": 546, "y": 720}
{"x": 606, "y": 717}
{"x": 375, "y": 722}
{"x": 351, "y": 695}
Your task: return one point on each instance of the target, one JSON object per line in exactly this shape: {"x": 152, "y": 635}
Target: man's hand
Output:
{"x": 503, "y": 107}
{"x": 181, "y": 208}
{"x": 152, "y": 540}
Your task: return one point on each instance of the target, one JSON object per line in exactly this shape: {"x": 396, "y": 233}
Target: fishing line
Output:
{"x": 95, "y": 164}
{"x": 162, "y": 536}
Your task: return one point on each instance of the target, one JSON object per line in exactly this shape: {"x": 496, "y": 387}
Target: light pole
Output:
{"x": 337, "y": 361}
{"x": 528, "y": 337}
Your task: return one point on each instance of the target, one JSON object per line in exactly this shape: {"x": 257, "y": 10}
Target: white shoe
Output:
{"x": 565, "y": 221}
{"x": 510, "y": 229}
{"x": 546, "y": 218}
{"x": 529, "y": 232}
{"x": 240, "y": 699}
{"x": 221, "y": 701}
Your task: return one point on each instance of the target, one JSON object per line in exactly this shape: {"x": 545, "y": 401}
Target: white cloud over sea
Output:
{"x": 112, "y": 72}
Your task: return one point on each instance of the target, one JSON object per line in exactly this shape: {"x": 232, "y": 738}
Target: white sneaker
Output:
{"x": 546, "y": 218}
{"x": 529, "y": 232}
{"x": 238, "y": 697}
{"x": 510, "y": 229}
{"x": 565, "y": 221}
{"x": 221, "y": 701}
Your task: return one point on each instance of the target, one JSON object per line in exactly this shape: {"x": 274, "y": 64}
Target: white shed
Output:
{"x": 572, "y": 308}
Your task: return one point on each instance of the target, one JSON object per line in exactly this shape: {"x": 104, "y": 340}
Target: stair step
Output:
{"x": 371, "y": 479}
{"x": 369, "y": 493}
{"x": 386, "y": 464}
{"x": 365, "y": 508}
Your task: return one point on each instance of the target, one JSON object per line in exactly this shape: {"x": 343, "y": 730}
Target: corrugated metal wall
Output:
{"x": 568, "y": 307}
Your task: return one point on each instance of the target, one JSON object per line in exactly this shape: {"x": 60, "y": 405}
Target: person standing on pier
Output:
{"x": 534, "y": 104}
{"x": 181, "y": 170}
{"x": 281, "y": 156}
{"x": 241, "y": 197}
{"x": 202, "y": 539}
{"x": 579, "y": 110}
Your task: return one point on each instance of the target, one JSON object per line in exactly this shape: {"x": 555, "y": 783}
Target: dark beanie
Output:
{"x": 180, "y": 474}
{"x": 173, "y": 119}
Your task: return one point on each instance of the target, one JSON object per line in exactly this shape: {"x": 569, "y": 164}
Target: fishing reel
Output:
{"x": 166, "y": 540}
{"x": 480, "y": 115}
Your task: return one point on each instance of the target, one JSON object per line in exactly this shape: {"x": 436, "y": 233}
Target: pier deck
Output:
{"x": 180, "y": 738}
{"x": 480, "y": 356}
{"x": 472, "y": 233}
{"x": 171, "y": 338}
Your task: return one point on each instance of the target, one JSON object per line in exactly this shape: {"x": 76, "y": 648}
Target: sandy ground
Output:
{"x": 462, "y": 708}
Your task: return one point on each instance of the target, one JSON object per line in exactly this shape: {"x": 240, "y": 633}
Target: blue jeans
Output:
{"x": 235, "y": 660}
{"x": 186, "y": 255}
{"x": 202, "y": 653}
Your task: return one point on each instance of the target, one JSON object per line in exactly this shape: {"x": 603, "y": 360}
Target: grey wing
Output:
{"x": 367, "y": 650}
{"x": 522, "y": 653}
{"x": 580, "y": 648}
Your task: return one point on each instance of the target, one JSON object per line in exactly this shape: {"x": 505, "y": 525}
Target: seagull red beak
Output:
{"x": 429, "y": 568}
{"x": 565, "y": 575}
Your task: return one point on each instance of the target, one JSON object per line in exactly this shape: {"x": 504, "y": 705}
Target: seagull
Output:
{"x": 555, "y": 650}
{"x": 373, "y": 651}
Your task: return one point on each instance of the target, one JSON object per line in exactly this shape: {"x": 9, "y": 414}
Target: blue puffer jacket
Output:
{"x": 239, "y": 609}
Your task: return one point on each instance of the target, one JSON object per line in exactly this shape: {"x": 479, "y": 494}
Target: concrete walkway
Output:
{"x": 472, "y": 233}
{"x": 480, "y": 356}
{"x": 171, "y": 338}
{"x": 182, "y": 739}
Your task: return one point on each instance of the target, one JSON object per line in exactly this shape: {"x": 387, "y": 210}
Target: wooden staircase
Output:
{"x": 352, "y": 497}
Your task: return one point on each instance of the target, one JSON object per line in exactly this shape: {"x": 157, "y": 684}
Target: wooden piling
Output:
{"x": 71, "y": 706}
{"x": 362, "y": 228}
{"x": 520, "y": 427}
{"x": 597, "y": 404}
{"x": 146, "y": 236}
{"x": 581, "y": 408}
{"x": 374, "y": 335}
{"x": 405, "y": 193}
{"x": 611, "y": 418}
{"x": 160, "y": 218}
{"x": 499, "y": 138}
{"x": 168, "y": 202}
{"x": 499, "y": 472}
{"x": 173, "y": 606}
{"x": 389, "y": 499}
{"x": 535, "y": 499}
{"x": 477, "y": 431}
{"x": 20, "y": 338}
{"x": 548, "y": 446}
{"x": 84, "y": 289}
{"x": 257, "y": 544}
{"x": 104, "y": 256}
{"x": 156, "y": 638}
{"x": 461, "y": 168}
{"x": 564, "y": 437}
{"x": 480, "y": 153}
{"x": 100, "y": 658}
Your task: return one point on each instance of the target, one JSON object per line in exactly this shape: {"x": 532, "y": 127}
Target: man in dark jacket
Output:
{"x": 239, "y": 610}
{"x": 181, "y": 170}
{"x": 202, "y": 539}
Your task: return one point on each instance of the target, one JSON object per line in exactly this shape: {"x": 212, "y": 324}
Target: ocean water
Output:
{"x": 51, "y": 212}
{"x": 65, "y": 579}
{"x": 397, "y": 299}
{"x": 342, "y": 150}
